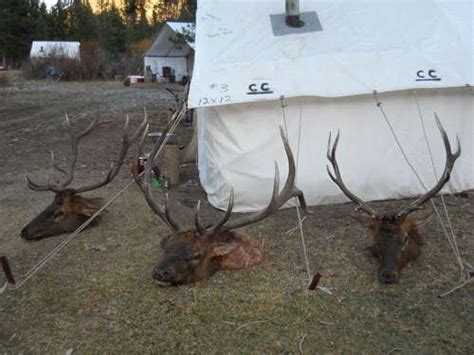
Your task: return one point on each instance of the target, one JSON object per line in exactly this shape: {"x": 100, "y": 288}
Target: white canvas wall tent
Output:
{"x": 56, "y": 49}
{"x": 418, "y": 56}
{"x": 165, "y": 52}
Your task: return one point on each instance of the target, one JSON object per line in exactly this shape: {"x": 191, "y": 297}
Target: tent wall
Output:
{"x": 364, "y": 45}
{"x": 45, "y": 49}
{"x": 237, "y": 145}
{"x": 179, "y": 64}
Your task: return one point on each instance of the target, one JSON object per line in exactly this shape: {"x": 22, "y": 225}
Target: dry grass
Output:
{"x": 99, "y": 297}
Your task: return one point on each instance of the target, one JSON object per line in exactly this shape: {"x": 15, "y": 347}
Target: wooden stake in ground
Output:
{"x": 314, "y": 282}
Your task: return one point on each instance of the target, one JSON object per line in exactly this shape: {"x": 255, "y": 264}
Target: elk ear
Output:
{"x": 90, "y": 206}
{"x": 421, "y": 220}
{"x": 83, "y": 206}
{"x": 365, "y": 219}
{"x": 164, "y": 241}
{"x": 221, "y": 249}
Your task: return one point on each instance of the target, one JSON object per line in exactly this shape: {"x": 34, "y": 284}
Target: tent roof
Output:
{"x": 365, "y": 45}
{"x": 163, "y": 47}
{"x": 45, "y": 48}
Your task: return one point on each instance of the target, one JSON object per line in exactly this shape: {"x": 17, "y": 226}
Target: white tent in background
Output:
{"x": 55, "y": 49}
{"x": 414, "y": 54}
{"x": 165, "y": 52}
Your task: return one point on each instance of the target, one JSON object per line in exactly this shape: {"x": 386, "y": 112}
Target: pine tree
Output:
{"x": 81, "y": 22}
{"x": 6, "y": 26}
{"x": 41, "y": 23}
{"x": 188, "y": 12}
{"x": 111, "y": 31}
{"x": 16, "y": 27}
{"x": 143, "y": 27}
{"x": 58, "y": 29}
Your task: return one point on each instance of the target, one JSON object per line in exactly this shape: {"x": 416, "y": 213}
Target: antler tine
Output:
{"x": 55, "y": 165}
{"x": 253, "y": 218}
{"x": 447, "y": 144}
{"x": 278, "y": 199}
{"x": 85, "y": 132}
{"x": 143, "y": 126}
{"x": 142, "y": 139}
{"x": 68, "y": 173}
{"x": 145, "y": 186}
{"x": 34, "y": 186}
{"x": 135, "y": 173}
{"x": 127, "y": 123}
{"x": 197, "y": 223}
{"x": 175, "y": 97}
{"x": 173, "y": 224}
{"x": 337, "y": 179}
{"x": 215, "y": 228}
{"x": 75, "y": 138}
{"x": 115, "y": 168}
{"x": 49, "y": 186}
{"x": 450, "y": 160}
{"x": 290, "y": 189}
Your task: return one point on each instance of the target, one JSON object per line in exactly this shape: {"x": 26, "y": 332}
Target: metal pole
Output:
{"x": 293, "y": 13}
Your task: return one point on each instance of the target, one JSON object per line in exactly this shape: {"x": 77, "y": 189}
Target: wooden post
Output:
{"x": 169, "y": 163}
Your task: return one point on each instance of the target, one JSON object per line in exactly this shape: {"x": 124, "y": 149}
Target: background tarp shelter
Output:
{"x": 57, "y": 49}
{"x": 415, "y": 54}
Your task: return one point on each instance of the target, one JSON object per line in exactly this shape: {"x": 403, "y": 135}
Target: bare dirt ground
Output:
{"x": 98, "y": 295}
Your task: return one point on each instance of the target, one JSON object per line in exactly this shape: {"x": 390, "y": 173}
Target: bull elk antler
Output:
{"x": 278, "y": 199}
{"x": 448, "y": 167}
{"x": 415, "y": 205}
{"x": 145, "y": 186}
{"x": 337, "y": 179}
{"x": 75, "y": 140}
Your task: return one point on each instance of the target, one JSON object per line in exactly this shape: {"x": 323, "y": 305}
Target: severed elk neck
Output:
{"x": 197, "y": 253}
{"x": 396, "y": 237}
{"x": 68, "y": 209}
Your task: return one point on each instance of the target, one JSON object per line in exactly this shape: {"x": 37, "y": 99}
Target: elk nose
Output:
{"x": 389, "y": 277}
{"x": 161, "y": 274}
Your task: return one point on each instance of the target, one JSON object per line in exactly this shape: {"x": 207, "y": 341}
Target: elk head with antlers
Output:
{"x": 68, "y": 209}
{"x": 197, "y": 253}
{"x": 396, "y": 237}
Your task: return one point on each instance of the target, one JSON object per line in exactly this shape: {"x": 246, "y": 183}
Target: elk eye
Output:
{"x": 195, "y": 256}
